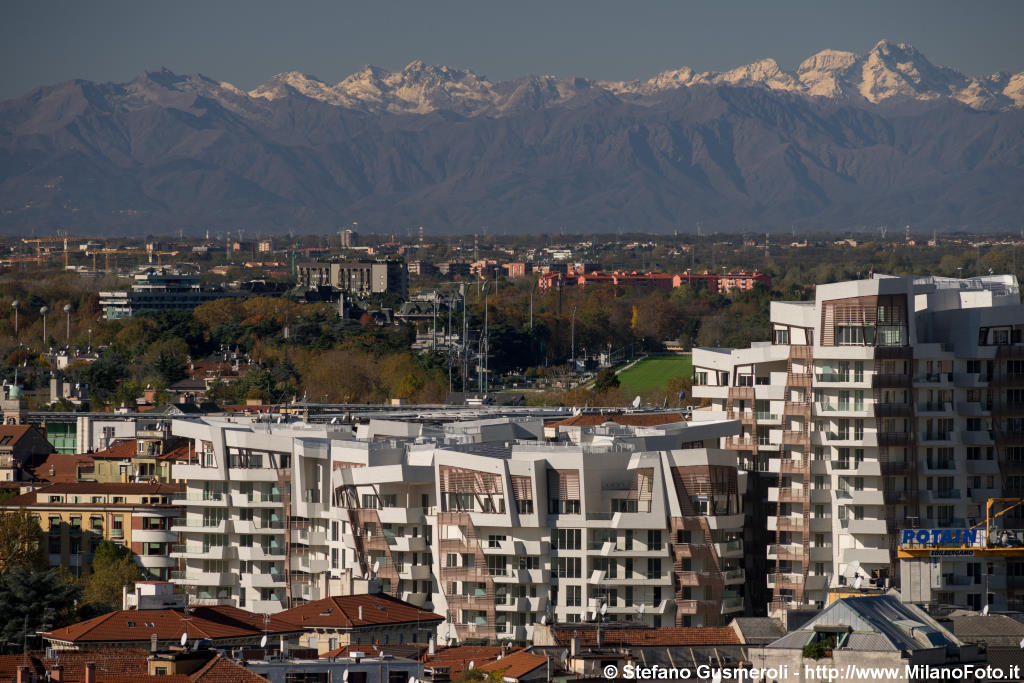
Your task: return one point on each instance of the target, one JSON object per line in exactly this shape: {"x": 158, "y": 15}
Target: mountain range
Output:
{"x": 844, "y": 141}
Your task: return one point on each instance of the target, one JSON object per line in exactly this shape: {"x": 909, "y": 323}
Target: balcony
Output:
{"x": 982, "y": 466}
{"x": 937, "y": 436}
{"x": 200, "y": 578}
{"x": 832, "y": 377}
{"x": 790, "y": 552}
{"x": 893, "y": 409}
{"x": 206, "y": 526}
{"x": 267, "y": 606}
{"x": 942, "y": 495}
{"x": 199, "y": 498}
{"x": 267, "y": 580}
{"x": 934, "y": 378}
{"x": 981, "y": 437}
{"x": 729, "y": 549}
{"x": 261, "y": 552}
{"x": 731, "y": 576}
{"x": 934, "y": 407}
{"x": 876, "y": 527}
{"x": 256, "y": 499}
{"x": 894, "y": 439}
{"x": 731, "y": 605}
{"x": 204, "y": 551}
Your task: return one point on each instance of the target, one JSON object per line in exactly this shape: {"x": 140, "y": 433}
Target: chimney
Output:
{"x": 360, "y": 613}
{"x": 153, "y": 647}
{"x": 57, "y": 673}
{"x": 90, "y": 672}
{"x": 23, "y": 674}
{"x": 432, "y": 646}
{"x": 574, "y": 644}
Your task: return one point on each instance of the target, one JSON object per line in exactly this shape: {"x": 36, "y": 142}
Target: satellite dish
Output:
{"x": 499, "y": 657}
{"x": 564, "y": 657}
{"x": 344, "y": 675}
{"x": 472, "y": 665}
{"x": 593, "y": 615}
{"x": 376, "y": 566}
{"x": 184, "y": 639}
{"x": 413, "y": 679}
{"x": 544, "y": 620}
{"x": 636, "y": 402}
{"x": 263, "y": 641}
{"x": 984, "y": 610}
{"x": 1021, "y": 643}
{"x": 604, "y": 608}
{"x": 642, "y": 608}
{"x": 716, "y": 676}
{"x": 334, "y": 421}
{"x": 858, "y": 582}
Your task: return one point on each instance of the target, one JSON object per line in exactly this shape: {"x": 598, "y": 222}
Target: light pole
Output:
{"x": 67, "y": 331}
{"x": 15, "y": 305}
{"x": 44, "y": 311}
{"x": 572, "y": 336}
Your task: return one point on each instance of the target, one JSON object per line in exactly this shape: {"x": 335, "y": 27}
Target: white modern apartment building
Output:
{"x": 884, "y": 404}
{"x": 495, "y": 535}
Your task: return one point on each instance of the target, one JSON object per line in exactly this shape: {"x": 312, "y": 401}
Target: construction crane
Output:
{"x": 928, "y": 542}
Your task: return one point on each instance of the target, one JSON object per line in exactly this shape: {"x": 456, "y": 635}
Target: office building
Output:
{"x": 160, "y": 289}
{"x": 360, "y": 278}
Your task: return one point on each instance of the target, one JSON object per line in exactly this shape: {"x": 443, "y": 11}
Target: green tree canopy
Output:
{"x": 21, "y": 541}
{"x": 34, "y": 600}
{"x": 112, "y": 569}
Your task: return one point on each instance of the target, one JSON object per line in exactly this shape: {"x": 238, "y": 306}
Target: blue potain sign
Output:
{"x": 939, "y": 537}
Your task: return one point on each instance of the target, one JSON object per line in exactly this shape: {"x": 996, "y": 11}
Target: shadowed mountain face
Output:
{"x": 845, "y": 141}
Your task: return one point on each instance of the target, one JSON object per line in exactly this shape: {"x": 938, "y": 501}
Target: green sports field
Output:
{"x": 654, "y": 372}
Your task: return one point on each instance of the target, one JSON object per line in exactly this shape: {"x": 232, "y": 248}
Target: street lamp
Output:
{"x": 15, "y": 305}
{"x": 44, "y": 311}
{"x": 67, "y": 333}
{"x": 573, "y": 339}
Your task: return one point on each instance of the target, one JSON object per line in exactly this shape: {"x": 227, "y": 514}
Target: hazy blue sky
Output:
{"x": 42, "y": 41}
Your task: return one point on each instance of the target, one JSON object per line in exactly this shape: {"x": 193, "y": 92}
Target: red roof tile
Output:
{"x": 121, "y": 449}
{"x": 59, "y": 467}
{"x": 653, "y": 637}
{"x": 342, "y": 612}
{"x": 219, "y": 621}
{"x": 456, "y": 659}
{"x": 515, "y": 665}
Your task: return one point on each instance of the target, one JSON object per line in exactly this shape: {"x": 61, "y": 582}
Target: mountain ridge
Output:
{"x": 748, "y": 148}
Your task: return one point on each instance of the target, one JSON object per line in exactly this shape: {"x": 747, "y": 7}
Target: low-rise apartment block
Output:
{"x": 76, "y": 517}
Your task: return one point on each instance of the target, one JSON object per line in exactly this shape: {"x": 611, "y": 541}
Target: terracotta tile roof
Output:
{"x": 15, "y": 432}
{"x": 343, "y": 612}
{"x": 456, "y": 659}
{"x": 219, "y": 621}
{"x": 629, "y": 420}
{"x": 59, "y": 467}
{"x": 183, "y": 452}
{"x": 114, "y": 664}
{"x": 130, "y": 488}
{"x": 515, "y": 665}
{"x": 121, "y": 449}
{"x": 223, "y": 670}
{"x": 652, "y": 637}
{"x": 123, "y": 665}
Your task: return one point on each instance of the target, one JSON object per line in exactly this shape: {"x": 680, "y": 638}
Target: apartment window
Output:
{"x": 858, "y": 512}
{"x": 858, "y": 430}
{"x": 568, "y": 567}
{"x": 369, "y": 501}
{"x": 653, "y": 538}
{"x": 573, "y": 596}
{"x": 525, "y": 507}
{"x": 858, "y": 371}
{"x": 563, "y": 507}
{"x": 117, "y": 527}
{"x": 782, "y": 336}
{"x": 495, "y": 541}
{"x": 529, "y": 562}
{"x": 568, "y": 539}
{"x": 452, "y": 560}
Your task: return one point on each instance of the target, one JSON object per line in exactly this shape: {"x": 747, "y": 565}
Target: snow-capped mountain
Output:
{"x": 887, "y": 71}
{"x": 842, "y": 141}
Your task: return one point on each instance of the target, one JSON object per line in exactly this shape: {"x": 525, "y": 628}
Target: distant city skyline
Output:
{"x": 48, "y": 42}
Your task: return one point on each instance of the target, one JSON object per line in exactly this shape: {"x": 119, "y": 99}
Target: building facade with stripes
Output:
{"x": 644, "y": 522}
{"x": 881, "y": 405}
